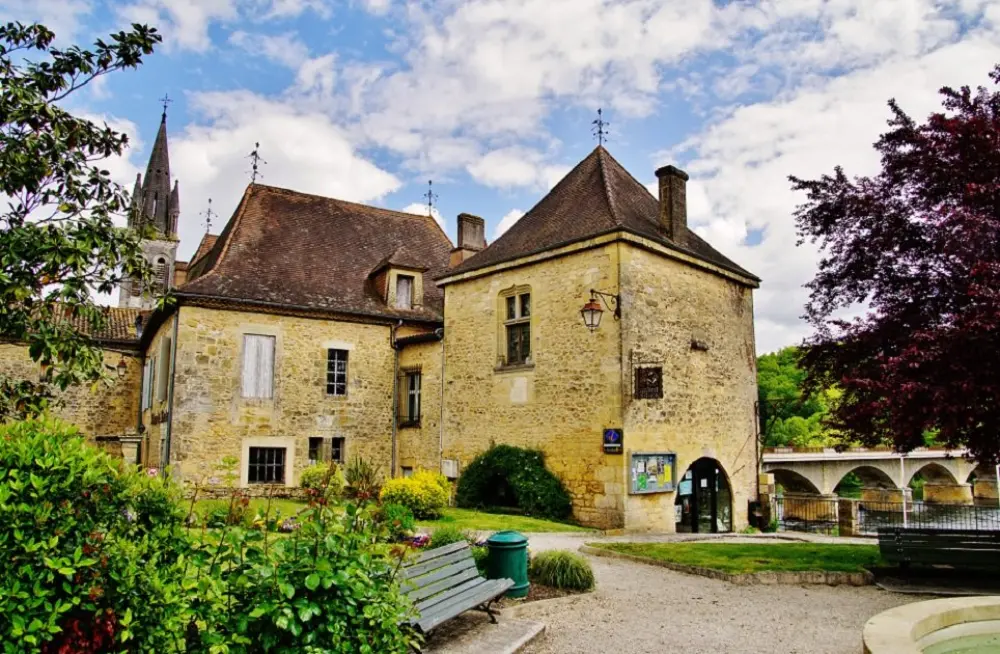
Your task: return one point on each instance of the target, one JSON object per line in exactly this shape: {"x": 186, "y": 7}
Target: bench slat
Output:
{"x": 427, "y": 605}
{"x": 434, "y": 564}
{"x": 444, "y": 584}
{"x": 956, "y": 547}
{"x": 427, "y": 555}
{"x": 459, "y": 604}
{"x": 434, "y": 576}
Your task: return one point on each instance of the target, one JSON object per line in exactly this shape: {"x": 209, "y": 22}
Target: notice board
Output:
{"x": 652, "y": 472}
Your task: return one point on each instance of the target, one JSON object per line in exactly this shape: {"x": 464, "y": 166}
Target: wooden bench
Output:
{"x": 959, "y": 548}
{"x": 444, "y": 582}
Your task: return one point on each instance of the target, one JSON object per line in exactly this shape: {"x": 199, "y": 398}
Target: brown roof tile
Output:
{"x": 119, "y": 328}
{"x": 299, "y": 250}
{"x": 596, "y": 197}
{"x": 207, "y": 241}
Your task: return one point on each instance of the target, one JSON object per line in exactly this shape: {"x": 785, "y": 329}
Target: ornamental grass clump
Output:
{"x": 563, "y": 570}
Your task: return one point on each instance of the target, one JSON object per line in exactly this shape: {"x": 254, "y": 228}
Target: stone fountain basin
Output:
{"x": 911, "y": 628}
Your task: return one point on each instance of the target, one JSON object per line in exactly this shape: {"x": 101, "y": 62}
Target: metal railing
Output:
{"x": 817, "y": 514}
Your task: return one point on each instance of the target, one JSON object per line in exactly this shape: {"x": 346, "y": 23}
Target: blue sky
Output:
{"x": 493, "y": 99}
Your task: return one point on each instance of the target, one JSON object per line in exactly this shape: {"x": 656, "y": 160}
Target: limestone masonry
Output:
{"x": 313, "y": 329}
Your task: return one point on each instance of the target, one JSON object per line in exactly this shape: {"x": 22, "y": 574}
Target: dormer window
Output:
{"x": 404, "y": 292}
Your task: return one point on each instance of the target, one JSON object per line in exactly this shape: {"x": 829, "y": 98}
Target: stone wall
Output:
{"x": 98, "y": 410}
{"x": 698, "y": 327}
{"x": 563, "y": 401}
{"x": 212, "y": 420}
{"x": 419, "y": 445}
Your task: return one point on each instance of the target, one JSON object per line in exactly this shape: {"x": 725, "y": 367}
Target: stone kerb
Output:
{"x": 906, "y": 629}
{"x": 746, "y": 579}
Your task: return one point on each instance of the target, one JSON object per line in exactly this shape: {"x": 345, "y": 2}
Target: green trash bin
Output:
{"x": 508, "y": 559}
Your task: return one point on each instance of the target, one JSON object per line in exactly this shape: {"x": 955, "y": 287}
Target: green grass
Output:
{"x": 287, "y": 508}
{"x": 468, "y": 519}
{"x": 742, "y": 558}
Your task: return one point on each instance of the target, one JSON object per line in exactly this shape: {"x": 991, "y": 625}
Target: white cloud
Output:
{"x": 285, "y": 49}
{"x": 271, "y": 9}
{"x": 61, "y": 16}
{"x": 507, "y": 222}
{"x": 183, "y": 23}
{"x": 421, "y": 210}
{"x": 515, "y": 166}
{"x": 741, "y": 163}
{"x": 304, "y": 151}
{"x": 377, "y": 7}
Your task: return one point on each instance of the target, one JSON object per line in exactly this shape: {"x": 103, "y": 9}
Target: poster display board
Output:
{"x": 652, "y": 472}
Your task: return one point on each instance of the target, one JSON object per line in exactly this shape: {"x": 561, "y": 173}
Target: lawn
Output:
{"x": 468, "y": 519}
{"x": 742, "y": 558}
{"x": 286, "y": 507}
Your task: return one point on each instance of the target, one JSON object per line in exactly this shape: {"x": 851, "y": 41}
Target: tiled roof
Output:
{"x": 120, "y": 326}
{"x": 305, "y": 251}
{"x": 596, "y": 197}
{"x": 207, "y": 241}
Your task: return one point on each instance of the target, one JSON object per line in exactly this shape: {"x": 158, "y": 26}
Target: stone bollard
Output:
{"x": 847, "y": 510}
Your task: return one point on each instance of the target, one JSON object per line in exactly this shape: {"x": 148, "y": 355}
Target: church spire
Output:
{"x": 156, "y": 191}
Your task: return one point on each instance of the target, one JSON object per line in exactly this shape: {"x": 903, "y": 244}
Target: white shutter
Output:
{"x": 146, "y": 382}
{"x": 258, "y": 366}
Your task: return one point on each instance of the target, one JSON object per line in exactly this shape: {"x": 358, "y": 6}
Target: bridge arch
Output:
{"x": 934, "y": 473}
{"x": 794, "y": 482}
{"x": 871, "y": 477}
{"x": 980, "y": 472}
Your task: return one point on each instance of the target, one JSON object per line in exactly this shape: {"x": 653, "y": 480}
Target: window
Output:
{"x": 404, "y": 292}
{"x": 147, "y": 384}
{"x": 407, "y": 471}
{"x": 161, "y": 274}
{"x": 163, "y": 374}
{"x": 409, "y": 405}
{"x": 315, "y": 450}
{"x": 258, "y": 366}
{"x": 517, "y": 328}
{"x": 266, "y": 466}
{"x": 337, "y": 449}
{"x": 336, "y": 372}
{"x": 648, "y": 383}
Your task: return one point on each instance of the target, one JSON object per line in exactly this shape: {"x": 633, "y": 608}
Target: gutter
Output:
{"x": 395, "y": 393}
{"x": 440, "y": 334}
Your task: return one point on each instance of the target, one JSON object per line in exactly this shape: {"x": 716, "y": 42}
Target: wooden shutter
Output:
{"x": 163, "y": 378}
{"x": 258, "y": 366}
{"x": 404, "y": 292}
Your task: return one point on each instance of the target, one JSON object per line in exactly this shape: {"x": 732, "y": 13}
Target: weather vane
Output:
{"x": 165, "y": 100}
{"x": 600, "y": 128}
{"x": 209, "y": 214}
{"x": 257, "y": 160}
{"x": 431, "y": 197}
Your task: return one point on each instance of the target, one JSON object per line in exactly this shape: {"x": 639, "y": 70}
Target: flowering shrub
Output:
{"x": 425, "y": 493}
{"x": 397, "y": 520}
{"x": 327, "y": 479}
{"x": 90, "y": 548}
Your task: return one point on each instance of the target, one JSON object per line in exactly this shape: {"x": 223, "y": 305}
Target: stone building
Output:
{"x": 314, "y": 329}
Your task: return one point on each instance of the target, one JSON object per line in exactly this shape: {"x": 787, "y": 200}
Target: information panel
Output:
{"x": 652, "y": 472}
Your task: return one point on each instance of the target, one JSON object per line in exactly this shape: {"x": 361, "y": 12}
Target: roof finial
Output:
{"x": 165, "y": 100}
{"x": 256, "y": 160}
{"x": 600, "y": 128}
{"x": 431, "y": 197}
{"x": 209, "y": 214}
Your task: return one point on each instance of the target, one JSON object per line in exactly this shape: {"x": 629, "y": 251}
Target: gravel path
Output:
{"x": 640, "y": 608}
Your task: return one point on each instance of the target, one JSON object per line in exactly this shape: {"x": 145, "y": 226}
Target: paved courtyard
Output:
{"x": 641, "y": 608}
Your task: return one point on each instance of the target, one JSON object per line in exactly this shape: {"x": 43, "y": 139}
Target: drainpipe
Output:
{"x": 395, "y": 392}
{"x": 440, "y": 333}
{"x": 170, "y": 392}
{"x": 139, "y": 429}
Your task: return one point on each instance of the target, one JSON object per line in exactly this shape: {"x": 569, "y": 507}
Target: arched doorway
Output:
{"x": 704, "y": 502}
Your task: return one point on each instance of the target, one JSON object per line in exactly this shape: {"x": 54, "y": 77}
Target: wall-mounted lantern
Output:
{"x": 592, "y": 311}
{"x": 122, "y": 368}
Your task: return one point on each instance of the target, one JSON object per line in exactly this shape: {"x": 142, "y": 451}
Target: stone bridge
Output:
{"x": 950, "y": 477}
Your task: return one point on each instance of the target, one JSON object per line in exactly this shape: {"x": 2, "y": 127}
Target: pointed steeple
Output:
{"x": 175, "y": 209}
{"x": 156, "y": 190}
{"x": 135, "y": 210}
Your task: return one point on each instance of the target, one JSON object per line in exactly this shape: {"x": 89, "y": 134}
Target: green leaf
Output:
{"x": 312, "y": 581}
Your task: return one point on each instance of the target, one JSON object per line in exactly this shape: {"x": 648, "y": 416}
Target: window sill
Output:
{"x": 410, "y": 424}
{"x": 514, "y": 367}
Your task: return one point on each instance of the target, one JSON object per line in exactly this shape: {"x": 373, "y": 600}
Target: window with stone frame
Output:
{"x": 517, "y": 328}
{"x": 336, "y": 372}
{"x": 315, "y": 450}
{"x": 648, "y": 383}
{"x": 408, "y": 410}
{"x": 337, "y": 451}
{"x": 266, "y": 465}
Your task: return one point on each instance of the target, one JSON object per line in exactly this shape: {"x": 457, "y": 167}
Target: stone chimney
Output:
{"x": 471, "y": 238}
{"x": 673, "y": 201}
